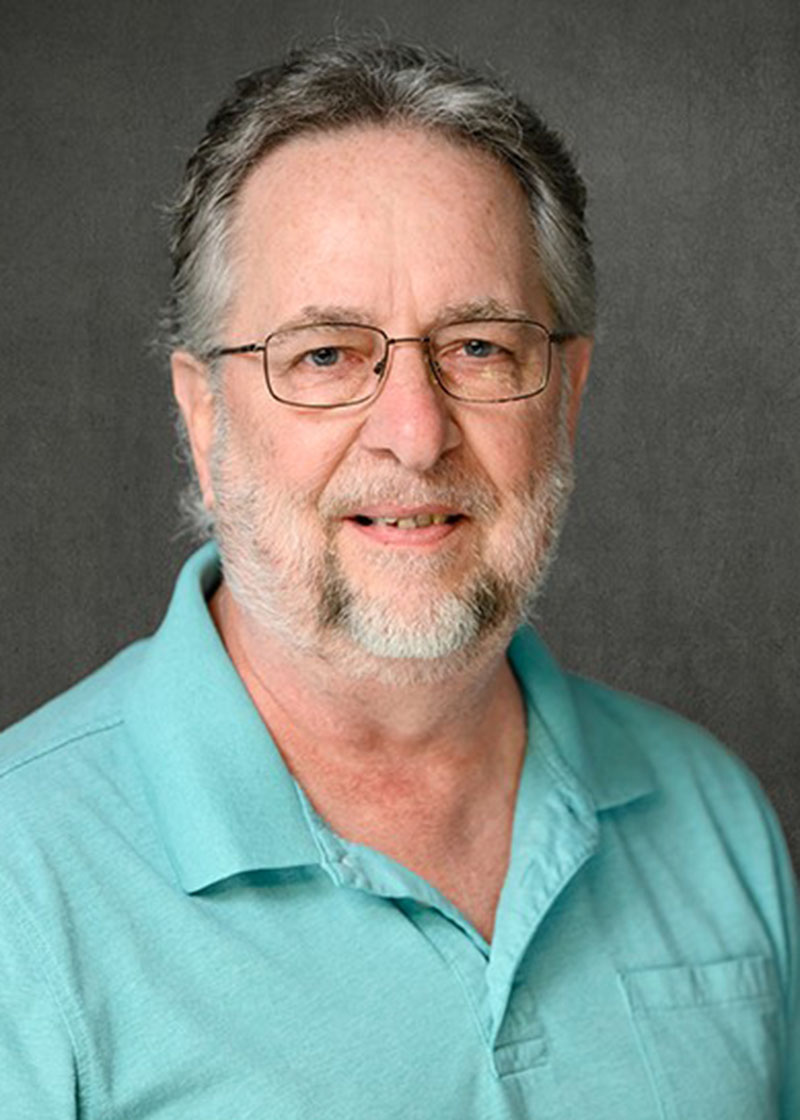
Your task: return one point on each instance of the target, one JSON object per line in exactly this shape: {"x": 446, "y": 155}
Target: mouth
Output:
{"x": 407, "y": 521}
{"x": 424, "y": 527}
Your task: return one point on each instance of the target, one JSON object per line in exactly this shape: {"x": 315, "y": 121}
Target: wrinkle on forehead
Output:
{"x": 470, "y": 311}
{"x": 327, "y": 209}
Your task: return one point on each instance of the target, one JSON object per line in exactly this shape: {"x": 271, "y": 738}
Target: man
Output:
{"x": 341, "y": 840}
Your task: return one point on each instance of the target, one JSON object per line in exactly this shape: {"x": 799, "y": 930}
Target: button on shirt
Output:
{"x": 182, "y": 936}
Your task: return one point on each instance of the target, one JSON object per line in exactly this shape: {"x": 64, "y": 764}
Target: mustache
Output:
{"x": 448, "y": 486}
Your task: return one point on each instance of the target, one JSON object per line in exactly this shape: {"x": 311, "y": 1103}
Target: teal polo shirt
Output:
{"x": 182, "y": 936}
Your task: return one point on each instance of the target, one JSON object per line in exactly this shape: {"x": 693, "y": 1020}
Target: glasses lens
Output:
{"x": 323, "y": 365}
{"x": 493, "y": 360}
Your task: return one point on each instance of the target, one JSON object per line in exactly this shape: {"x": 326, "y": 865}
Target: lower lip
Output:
{"x": 410, "y": 538}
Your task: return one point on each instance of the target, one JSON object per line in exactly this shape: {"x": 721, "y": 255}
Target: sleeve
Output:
{"x": 38, "y": 1068}
{"x": 761, "y": 854}
{"x": 791, "y": 1092}
{"x": 790, "y": 1099}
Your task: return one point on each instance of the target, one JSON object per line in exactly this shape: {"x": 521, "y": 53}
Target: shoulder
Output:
{"x": 73, "y": 803}
{"x": 679, "y": 751}
{"x": 704, "y": 804}
{"x": 617, "y": 742}
{"x": 63, "y": 730}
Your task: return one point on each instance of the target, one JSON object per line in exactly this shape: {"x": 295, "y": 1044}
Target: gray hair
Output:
{"x": 340, "y": 84}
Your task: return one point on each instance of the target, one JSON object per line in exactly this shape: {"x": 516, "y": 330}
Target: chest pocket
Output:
{"x": 710, "y": 1037}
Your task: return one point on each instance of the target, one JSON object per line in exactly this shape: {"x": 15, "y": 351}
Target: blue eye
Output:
{"x": 324, "y": 356}
{"x": 478, "y": 348}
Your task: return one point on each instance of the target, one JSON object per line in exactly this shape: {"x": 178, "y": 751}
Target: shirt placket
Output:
{"x": 555, "y": 833}
{"x": 554, "y": 838}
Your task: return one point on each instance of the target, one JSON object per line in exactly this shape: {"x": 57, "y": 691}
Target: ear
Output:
{"x": 196, "y": 402}
{"x": 577, "y": 354}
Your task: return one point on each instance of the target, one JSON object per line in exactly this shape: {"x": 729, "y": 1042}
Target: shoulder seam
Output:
{"x": 83, "y": 732}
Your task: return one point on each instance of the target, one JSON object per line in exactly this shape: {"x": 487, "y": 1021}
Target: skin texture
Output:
{"x": 420, "y": 754}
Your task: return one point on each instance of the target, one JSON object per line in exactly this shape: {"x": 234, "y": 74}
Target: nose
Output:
{"x": 411, "y": 418}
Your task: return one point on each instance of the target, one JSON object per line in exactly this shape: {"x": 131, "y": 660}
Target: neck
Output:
{"x": 425, "y": 771}
{"x": 449, "y": 732}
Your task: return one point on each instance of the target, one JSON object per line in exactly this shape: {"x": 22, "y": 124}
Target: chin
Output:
{"x": 421, "y": 633}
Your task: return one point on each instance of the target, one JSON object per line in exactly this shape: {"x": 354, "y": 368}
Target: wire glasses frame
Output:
{"x": 458, "y": 373}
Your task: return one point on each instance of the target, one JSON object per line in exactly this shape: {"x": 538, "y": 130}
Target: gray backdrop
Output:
{"x": 678, "y": 573}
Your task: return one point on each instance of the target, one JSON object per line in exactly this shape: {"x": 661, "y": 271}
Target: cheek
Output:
{"x": 515, "y": 451}
{"x": 309, "y": 456}
{"x": 295, "y": 454}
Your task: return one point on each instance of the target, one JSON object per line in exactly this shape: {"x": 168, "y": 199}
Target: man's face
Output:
{"x": 414, "y": 525}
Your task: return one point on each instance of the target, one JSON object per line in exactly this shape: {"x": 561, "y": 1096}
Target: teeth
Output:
{"x": 419, "y": 521}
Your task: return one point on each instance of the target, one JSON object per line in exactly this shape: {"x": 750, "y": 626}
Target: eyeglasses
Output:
{"x": 336, "y": 365}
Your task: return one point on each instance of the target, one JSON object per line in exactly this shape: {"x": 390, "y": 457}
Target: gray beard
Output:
{"x": 367, "y": 633}
{"x": 455, "y": 622}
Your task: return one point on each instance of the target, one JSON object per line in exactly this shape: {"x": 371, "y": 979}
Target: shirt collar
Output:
{"x": 221, "y": 794}
{"x": 225, "y": 802}
{"x": 592, "y": 746}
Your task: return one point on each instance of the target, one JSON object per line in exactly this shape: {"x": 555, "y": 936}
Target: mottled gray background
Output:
{"x": 678, "y": 575}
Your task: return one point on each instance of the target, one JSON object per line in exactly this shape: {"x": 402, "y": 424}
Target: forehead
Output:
{"x": 370, "y": 216}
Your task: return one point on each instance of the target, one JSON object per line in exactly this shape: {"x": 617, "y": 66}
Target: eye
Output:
{"x": 479, "y": 348}
{"x": 323, "y": 357}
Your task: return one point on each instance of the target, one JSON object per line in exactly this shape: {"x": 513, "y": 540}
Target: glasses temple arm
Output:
{"x": 250, "y": 348}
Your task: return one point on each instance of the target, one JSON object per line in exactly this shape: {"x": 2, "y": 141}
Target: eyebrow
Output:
{"x": 477, "y": 310}
{"x": 314, "y": 313}
{"x": 473, "y": 310}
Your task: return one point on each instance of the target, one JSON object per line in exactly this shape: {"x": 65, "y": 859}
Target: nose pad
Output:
{"x": 434, "y": 373}
{"x": 380, "y": 367}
